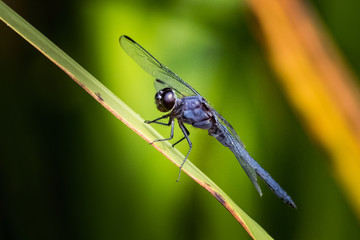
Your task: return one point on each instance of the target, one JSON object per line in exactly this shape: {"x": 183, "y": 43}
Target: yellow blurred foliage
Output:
{"x": 317, "y": 83}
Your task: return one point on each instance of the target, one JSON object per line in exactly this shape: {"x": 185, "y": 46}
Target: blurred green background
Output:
{"x": 70, "y": 170}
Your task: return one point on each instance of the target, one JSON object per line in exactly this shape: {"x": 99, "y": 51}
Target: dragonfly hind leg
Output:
{"x": 186, "y": 136}
{"x": 187, "y": 133}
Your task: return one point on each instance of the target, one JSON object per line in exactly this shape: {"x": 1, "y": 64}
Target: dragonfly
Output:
{"x": 180, "y": 101}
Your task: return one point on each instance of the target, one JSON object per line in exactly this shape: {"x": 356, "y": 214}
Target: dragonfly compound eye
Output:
{"x": 165, "y": 99}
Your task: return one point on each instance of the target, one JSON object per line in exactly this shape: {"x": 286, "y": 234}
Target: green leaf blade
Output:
{"x": 120, "y": 110}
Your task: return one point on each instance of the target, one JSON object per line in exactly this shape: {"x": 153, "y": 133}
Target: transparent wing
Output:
{"x": 223, "y": 121}
{"x": 222, "y": 134}
{"x": 159, "y": 84}
{"x": 245, "y": 163}
{"x": 152, "y": 66}
{"x": 225, "y": 134}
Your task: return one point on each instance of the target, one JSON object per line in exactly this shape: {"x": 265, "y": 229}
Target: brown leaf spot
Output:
{"x": 220, "y": 198}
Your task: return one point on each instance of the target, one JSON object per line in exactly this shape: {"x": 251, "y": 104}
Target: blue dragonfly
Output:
{"x": 180, "y": 101}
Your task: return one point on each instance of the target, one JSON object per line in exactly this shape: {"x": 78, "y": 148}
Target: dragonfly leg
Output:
{"x": 187, "y": 132}
{"x": 161, "y": 123}
{"x": 171, "y": 133}
{"x": 186, "y": 136}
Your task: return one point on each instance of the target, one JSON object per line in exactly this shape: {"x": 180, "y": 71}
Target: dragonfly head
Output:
{"x": 165, "y": 99}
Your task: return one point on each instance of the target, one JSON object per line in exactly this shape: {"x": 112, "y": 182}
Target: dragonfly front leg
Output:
{"x": 186, "y": 136}
{"x": 171, "y": 122}
{"x": 161, "y": 123}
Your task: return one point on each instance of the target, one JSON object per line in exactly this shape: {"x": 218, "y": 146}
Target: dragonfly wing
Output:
{"x": 152, "y": 66}
{"x": 159, "y": 84}
{"x": 250, "y": 166}
{"x": 223, "y": 121}
{"x": 250, "y": 171}
{"x": 223, "y": 135}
